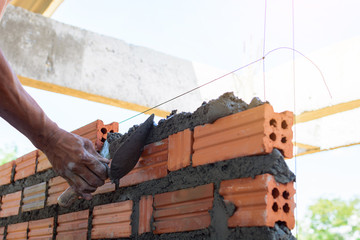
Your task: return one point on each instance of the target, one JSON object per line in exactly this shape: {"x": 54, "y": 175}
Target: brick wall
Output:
{"x": 222, "y": 180}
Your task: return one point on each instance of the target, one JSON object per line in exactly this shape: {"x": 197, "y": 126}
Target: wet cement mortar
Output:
{"x": 188, "y": 177}
{"x": 208, "y": 112}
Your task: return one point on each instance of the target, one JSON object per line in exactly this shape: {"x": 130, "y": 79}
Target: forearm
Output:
{"x": 71, "y": 156}
{"x": 19, "y": 109}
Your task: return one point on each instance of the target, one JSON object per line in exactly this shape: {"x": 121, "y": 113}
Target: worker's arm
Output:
{"x": 71, "y": 156}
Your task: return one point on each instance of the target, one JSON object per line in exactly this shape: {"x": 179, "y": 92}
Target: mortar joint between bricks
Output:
{"x": 36, "y": 162}
{"x": 219, "y": 203}
{"x": 21, "y": 201}
{"x": 90, "y": 218}
{"x": 5, "y": 232}
{"x": 27, "y": 231}
{"x": 12, "y": 178}
{"x": 46, "y": 193}
{"x": 135, "y": 215}
{"x": 55, "y": 221}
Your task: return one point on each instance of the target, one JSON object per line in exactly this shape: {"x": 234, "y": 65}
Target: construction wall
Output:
{"x": 224, "y": 180}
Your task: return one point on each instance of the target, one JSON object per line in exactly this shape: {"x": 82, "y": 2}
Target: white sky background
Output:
{"x": 224, "y": 34}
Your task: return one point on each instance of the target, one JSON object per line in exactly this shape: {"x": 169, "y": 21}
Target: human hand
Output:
{"x": 74, "y": 158}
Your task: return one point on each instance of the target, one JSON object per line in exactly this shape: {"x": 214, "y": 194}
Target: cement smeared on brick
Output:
{"x": 225, "y": 105}
{"x": 208, "y": 112}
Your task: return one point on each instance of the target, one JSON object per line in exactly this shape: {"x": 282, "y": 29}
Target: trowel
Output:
{"x": 123, "y": 161}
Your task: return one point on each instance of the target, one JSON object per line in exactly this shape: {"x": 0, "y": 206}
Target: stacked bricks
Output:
{"x": 25, "y": 165}
{"x": 10, "y": 204}
{"x": 260, "y": 201}
{"x": 73, "y": 225}
{"x": 183, "y": 210}
{"x": 223, "y": 180}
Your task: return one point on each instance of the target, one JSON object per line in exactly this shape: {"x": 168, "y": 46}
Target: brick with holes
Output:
{"x": 260, "y": 201}
{"x": 255, "y": 131}
{"x": 97, "y": 132}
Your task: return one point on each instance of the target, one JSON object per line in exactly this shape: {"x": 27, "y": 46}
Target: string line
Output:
{"x": 294, "y": 94}
{"x": 229, "y": 73}
{"x": 264, "y": 80}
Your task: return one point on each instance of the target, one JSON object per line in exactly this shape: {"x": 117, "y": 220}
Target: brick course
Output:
{"x": 150, "y": 202}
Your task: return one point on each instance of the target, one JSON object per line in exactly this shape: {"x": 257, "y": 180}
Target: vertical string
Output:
{"x": 264, "y": 51}
{"x": 294, "y": 93}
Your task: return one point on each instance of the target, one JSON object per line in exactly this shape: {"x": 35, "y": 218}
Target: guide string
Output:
{"x": 294, "y": 94}
{"x": 264, "y": 42}
{"x": 227, "y": 74}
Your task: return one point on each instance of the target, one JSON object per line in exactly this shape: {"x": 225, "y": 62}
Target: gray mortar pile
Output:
{"x": 188, "y": 177}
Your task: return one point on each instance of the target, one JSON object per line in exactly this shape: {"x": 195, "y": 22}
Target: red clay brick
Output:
{"x": 17, "y": 231}
{"x": 57, "y": 186}
{"x": 41, "y": 229}
{"x": 34, "y": 197}
{"x": 10, "y": 204}
{"x": 183, "y": 210}
{"x": 112, "y": 220}
{"x": 107, "y": 187}
{"x": 25, "y": 165}
{"x": 180, "y": 150}
{"x": 5, "y": 172}
{"x": 252, "y": 132}
{"x": 152, "y": 164}
{"x": 145, "y": 214}
{"x": 43, "y": 162}
{"x": 73, "y": 226}
{"x": 97, "y": 132}
{"x": 2, "y": 231}
{"x": 260, "y": 201}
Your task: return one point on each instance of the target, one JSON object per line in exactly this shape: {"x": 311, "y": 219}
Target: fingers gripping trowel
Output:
{"x": 123, "y": 161}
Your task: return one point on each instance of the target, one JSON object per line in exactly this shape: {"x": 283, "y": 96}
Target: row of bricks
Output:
{"x": 34, "y": 197}
{"x": 259, "y": 202}
{"x": 36, "y": 161}
{"x": 255, "y": 131}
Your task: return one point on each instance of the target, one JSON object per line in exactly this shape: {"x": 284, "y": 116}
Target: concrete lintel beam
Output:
{"x": 42, "y": 49}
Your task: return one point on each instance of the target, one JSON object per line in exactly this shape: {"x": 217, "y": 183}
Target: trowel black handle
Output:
{"x": 69, "y": 196}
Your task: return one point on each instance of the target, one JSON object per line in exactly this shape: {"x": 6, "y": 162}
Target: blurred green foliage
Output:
{"x": 8, "y": 154}
{"x": 333, "y": 219}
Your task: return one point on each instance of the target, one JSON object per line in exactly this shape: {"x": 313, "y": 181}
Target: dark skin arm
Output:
{"x": 71, "y": 156}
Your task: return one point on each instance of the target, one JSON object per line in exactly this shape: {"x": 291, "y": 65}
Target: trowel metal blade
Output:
{"x": 128, "y": 154}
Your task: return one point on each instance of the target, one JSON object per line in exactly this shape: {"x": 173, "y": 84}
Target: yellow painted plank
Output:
{"x": 329, "y": 149}
{"x": 323, "y": 112}
{"x": 44, "y": 7}
{"x": 305, "y": 146}
{"x": 88, "y": 96}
